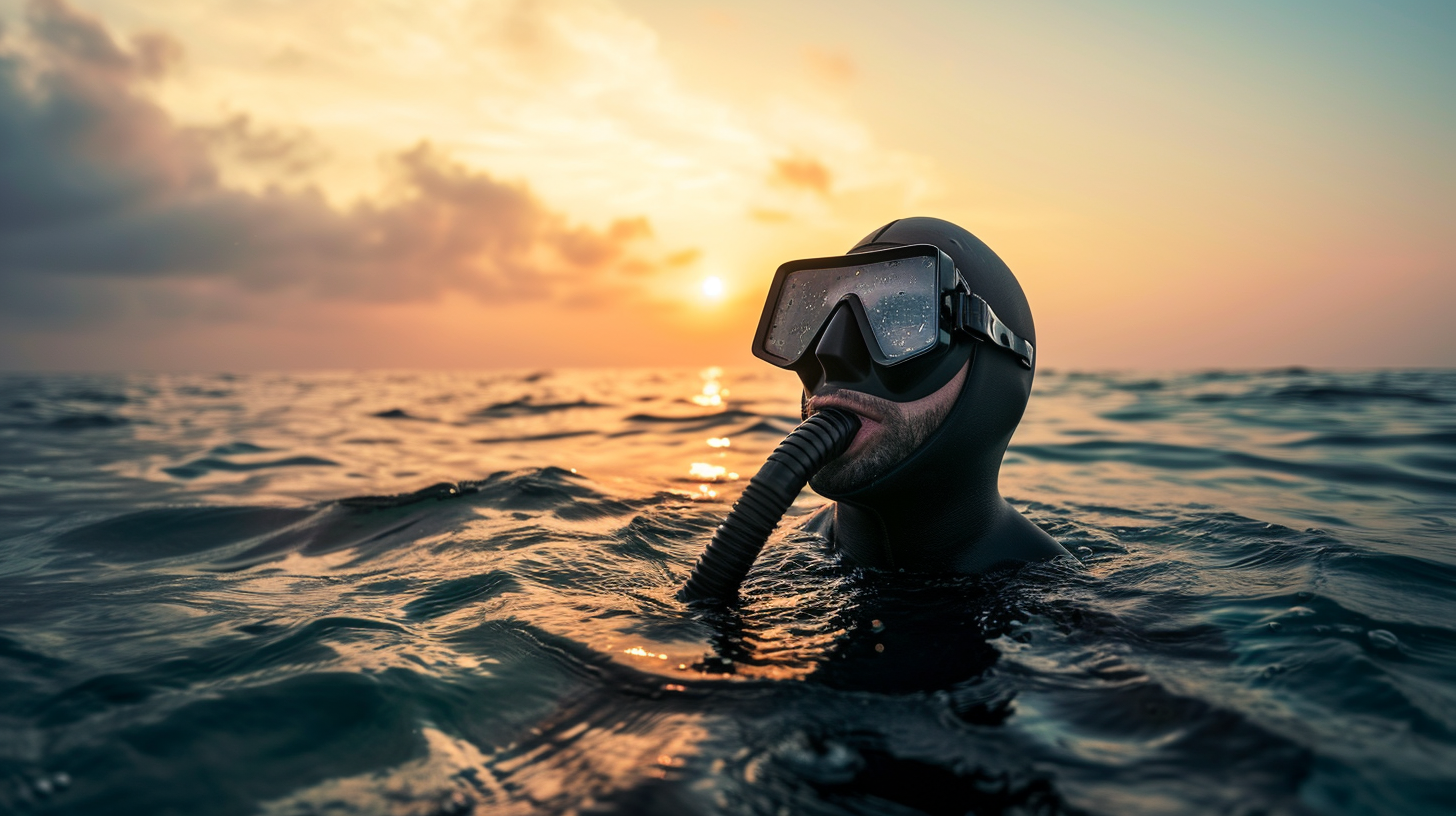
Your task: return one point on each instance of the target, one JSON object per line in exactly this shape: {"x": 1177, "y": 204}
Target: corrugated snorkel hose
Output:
{"x": 721, "y": 568}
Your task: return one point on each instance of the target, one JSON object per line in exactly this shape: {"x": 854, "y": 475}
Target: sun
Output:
{"x": 712, "y": 287}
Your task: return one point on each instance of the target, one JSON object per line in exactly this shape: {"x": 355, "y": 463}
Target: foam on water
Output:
{"x": 433, "y": 593}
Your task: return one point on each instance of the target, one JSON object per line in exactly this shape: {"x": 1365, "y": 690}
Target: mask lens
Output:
{"x": 899, "y": 298}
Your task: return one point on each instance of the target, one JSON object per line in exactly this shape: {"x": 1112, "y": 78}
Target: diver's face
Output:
{"x": 889, "y": 432}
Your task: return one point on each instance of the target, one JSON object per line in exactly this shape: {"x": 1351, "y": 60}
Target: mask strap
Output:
{"x": 973, "y": 315}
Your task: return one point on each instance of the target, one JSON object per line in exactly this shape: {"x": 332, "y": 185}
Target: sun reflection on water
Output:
{"x": 712, "y": 395}
{"x": 703, "y": 470}
{"x": 713, "y": 392}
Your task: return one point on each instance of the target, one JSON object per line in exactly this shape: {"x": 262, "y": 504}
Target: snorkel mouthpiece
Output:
{"x": 721, "y": 568}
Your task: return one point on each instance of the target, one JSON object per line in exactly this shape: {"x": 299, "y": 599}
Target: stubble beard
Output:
{"x": 902, "y": 435}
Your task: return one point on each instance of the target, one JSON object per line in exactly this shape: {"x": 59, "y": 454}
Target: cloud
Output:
{"x": 291, "y": 151}
{"x": 99, "y": 187}
{"x": 802, "y": 172}
{"x": 830, "y": 67}
{"x": 767, "y": 216}
{"x": 88, "y": 45}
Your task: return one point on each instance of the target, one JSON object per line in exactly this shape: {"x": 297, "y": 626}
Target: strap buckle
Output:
{"x": 973, "y": 315}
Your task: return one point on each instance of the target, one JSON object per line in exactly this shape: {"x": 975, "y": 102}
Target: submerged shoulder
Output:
{"x": 1012, "y": 540}
{"x": 820, "y": 522}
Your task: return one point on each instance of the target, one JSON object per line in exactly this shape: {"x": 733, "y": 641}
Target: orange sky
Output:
{"x": 220, "y": 184}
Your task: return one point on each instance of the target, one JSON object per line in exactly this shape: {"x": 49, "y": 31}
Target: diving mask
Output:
{"x": 911, "y": 311}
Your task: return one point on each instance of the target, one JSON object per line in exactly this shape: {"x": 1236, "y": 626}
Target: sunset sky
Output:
{"x": 307, "y": 184}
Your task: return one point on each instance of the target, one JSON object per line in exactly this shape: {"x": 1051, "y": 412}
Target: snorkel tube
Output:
{"x": 815, "y": 443}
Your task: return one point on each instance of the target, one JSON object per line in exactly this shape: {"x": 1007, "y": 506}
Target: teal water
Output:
{"x": 453, "y": 593}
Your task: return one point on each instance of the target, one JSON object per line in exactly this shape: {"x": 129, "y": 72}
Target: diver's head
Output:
{"x": 895, "y": 331}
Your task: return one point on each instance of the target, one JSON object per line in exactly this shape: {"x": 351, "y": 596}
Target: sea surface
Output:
{"x": 421, "y": 593}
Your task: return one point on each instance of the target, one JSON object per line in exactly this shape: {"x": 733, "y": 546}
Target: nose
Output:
{"x": 841, "y": 351}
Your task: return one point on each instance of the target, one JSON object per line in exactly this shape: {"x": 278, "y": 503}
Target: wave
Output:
{"x": 201, "y": 467}
{"x": 1179, "y": 457}
{"x": 176, "y": 531}
{"x": 81, "y": 422}
{"x": 545, "y": 437}
{"x": 1377, "y": 440}
{"x": 1337, "y": 394}
{"x": 398, "y": 413}
{"x": 529, "y": 407}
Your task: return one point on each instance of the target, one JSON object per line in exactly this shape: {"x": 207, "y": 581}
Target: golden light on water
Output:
{"x": 713, "y": 391}
{"x": 704, "y": 470}
{"x": 712, "y": 395}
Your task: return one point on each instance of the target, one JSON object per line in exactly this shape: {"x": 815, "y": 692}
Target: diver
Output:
{"x": 916, "y": 351}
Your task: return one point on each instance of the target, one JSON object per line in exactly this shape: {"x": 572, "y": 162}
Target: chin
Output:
{"x": 844, "y": 475}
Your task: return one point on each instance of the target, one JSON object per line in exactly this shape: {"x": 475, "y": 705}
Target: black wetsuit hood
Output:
{"x": 941, "y": 508}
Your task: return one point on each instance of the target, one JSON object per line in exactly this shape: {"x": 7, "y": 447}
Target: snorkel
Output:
{"x": 735, "y": 546}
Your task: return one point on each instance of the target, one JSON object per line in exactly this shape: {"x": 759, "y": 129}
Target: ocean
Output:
{"x": 449, "y": 593}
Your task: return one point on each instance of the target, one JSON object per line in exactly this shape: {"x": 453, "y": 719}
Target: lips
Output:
{"x": 846, "y": 401}
{"x": 872, "y": 416}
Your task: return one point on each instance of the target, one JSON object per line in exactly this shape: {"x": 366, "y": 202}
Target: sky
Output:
{"x": 314, "y": 184}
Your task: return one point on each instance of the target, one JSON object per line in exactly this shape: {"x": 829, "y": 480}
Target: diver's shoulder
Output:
{"x": 1036, "y": 540}
{"x": 820, "y": 522}
{"x": 1013, "y": 539}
